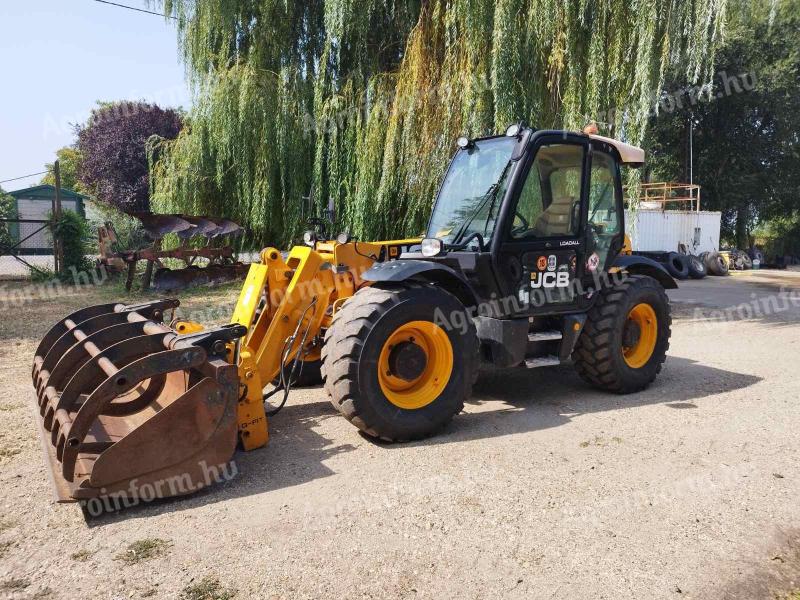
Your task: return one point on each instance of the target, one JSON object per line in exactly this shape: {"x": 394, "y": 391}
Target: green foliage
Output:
{"x": 361, "y": 102}
{"x": 7, "y": 211}
{"x": 69, "y": 162}
{"x": 746, "y": 154}
{"x": 73, "y": 232}
{"x": 780, "y": 236}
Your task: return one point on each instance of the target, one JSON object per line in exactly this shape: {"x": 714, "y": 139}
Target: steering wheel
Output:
{"x": 520, "y": 228}
{"x": 597, "y": 240}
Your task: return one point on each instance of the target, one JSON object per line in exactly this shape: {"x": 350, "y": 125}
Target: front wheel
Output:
{"x": 398, "y": 362}
{"x": 626, "y": 337}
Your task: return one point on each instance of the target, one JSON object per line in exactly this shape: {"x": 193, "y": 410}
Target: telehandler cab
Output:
{"x": 522, "y": 267}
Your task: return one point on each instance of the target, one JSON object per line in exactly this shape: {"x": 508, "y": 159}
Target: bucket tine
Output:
{"x": 69, "y": 362}
{"x": 102, "y": 366}
{"x": 149, "y": 310}
{"x": 125, "y": 401}
{"x": 61, "y": 327}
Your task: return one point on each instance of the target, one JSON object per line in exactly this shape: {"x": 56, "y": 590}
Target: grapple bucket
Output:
{"x": 129, "y": 408}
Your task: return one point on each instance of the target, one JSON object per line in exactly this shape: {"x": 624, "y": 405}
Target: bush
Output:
{"x": 7, "y": 211}
{"x": 73, "y": 232}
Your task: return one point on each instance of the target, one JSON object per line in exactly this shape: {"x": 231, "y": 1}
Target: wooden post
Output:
{"x": 58, "y": 256}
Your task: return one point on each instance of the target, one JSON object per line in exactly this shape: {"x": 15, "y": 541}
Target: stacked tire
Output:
{"x": 697, "y": 268}
{"x": 715, "y": 263}
{"x": 684, "y": 266}
{"x": 677, "y": 265}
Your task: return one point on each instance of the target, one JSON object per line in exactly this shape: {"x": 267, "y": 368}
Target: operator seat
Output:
{"x": 556, "y": 220}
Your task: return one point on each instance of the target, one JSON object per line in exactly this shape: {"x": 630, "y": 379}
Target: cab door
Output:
{"x": 605, "y": 231}
{"x": 542, "y": 238}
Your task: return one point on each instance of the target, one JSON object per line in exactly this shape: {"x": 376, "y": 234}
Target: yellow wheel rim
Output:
{"x": 644, "y": 316}
{"x": 426, "y": 387}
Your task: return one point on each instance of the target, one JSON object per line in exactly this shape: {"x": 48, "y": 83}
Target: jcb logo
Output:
{"x": 550, "y": 279}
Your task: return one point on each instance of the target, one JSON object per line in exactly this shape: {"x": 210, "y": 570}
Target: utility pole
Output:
{"x": 58, "y": 258}
{"x": 691, "y": 148}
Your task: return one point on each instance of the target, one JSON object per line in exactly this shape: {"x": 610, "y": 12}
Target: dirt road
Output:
{"x": 543, "y": 488}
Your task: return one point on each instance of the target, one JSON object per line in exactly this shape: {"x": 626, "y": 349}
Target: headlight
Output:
{"x": 464, "y": 143}
{"x": 431, "y": 246}
{"x": 343, "y": 238}
{"x": 309, "y": 238}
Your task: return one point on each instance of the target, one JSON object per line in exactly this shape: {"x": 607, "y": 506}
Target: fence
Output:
{"x": 15, "y": 261}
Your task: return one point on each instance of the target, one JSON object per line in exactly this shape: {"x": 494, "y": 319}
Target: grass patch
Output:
{"x": 6, "y": 525}
{"x": 4, "y": 546}
{"x": 81, "y": 555}
{"x": 208, "y": 589}
{"x": 7, "y": 407}
{"x": 9, "y": 452}
{"x": 12, "y": 585}
{"x": 142, "y": 550}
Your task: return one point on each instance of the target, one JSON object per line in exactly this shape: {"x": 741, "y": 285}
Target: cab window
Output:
{"x": 549, "y": 203}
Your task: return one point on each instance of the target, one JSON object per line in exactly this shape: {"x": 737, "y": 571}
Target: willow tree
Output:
{"x": 361, "y": 101}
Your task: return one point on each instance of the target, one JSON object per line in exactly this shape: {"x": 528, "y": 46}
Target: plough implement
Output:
{"x": 220, "y": 264}
{"x": 517, "y": 276}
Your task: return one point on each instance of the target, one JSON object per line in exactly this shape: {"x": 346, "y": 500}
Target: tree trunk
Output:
{"x": 742, "y": 216}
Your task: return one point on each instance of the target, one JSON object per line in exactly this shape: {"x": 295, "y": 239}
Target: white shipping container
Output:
{"x": 662, "y": 230}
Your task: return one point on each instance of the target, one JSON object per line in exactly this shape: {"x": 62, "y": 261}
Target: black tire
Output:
{"x": 353, "y": 345}
{"x": 716, "y": 264}
{"x": 677, "y": 265}
{"x": 697, "y": 268}
{"x": 747, "y": 262}
{"x": 598, "y": 354}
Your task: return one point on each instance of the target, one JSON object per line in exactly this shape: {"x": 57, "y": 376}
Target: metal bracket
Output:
{"x": 213, "y": 341}
{"x": 153, "y": 309}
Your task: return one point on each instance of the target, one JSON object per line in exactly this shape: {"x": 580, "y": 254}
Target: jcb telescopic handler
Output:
{"x": 522, "y": 266}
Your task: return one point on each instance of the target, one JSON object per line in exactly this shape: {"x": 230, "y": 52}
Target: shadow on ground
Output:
{"x": 530, "y": 400}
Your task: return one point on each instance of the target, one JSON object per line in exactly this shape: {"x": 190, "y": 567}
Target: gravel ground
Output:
{"x": 542, "y": 488}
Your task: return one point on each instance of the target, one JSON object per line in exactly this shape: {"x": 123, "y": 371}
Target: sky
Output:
{"x": 59, "y": 57}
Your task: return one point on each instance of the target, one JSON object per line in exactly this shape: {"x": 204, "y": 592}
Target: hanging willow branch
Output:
{"x": 361, "y": 101}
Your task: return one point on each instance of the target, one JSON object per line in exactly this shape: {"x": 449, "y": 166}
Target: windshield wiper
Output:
{"x": 478, "y": 208}
{"x": 489, "y": 196}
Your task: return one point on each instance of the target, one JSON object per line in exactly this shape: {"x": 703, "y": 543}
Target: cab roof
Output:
{"x": 629, "y": 155}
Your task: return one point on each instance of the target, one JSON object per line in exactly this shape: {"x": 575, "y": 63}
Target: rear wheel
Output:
{"x": 399, "y": 362}
{"x": 626, "y": 337}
